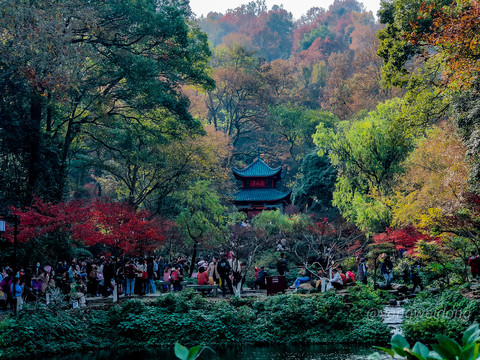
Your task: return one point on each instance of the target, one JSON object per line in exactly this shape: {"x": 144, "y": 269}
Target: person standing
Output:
{"x": 17, "y": 292}
{"x": 237, "y": 275}
{"x": 92, "y": 283}
{"x": 142, "y": 276}
{"x": 120, "y": 278}
{"x": 362, "y": 270}
{"x": 224, "y": 269}
{"x": 130, "y": 273}
{"x": 212, "y": 271}
{"x": 108, "y": 276}
{"x": 6, "y": 285}
{"x": 150, "y": 289}
{"x": 166, "y": 276}
{"x": 176, "y": 278}
{"x": 282, "y": 265}
{"x": 387, "y": 270}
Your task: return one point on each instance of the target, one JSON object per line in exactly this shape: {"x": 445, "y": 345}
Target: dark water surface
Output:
{"x": 316, "y": 352}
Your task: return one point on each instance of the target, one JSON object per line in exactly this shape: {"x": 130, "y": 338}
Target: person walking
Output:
{"x": 387, "y": 270}
{"x": 415, "y": 276}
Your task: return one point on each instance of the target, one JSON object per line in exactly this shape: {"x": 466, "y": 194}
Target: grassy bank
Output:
{"x": 448, "y": 313}
{"x": 190, "y": 319}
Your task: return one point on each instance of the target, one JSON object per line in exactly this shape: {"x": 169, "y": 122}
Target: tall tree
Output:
{"x": 202, "y": 216}
{"x": 313, "y": 191}
{"x": 237, "y": 105}
{"x": 435, "y": 179}
{"x": 368, "y": 154}
{"x": 93, "y": 61}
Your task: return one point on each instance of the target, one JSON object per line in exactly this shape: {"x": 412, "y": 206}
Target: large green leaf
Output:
{"x": 181, "y": 352}
{"x": 388, "y": 351}
{"x": 450, "y": 344}
{"x": 399, "y": 344}
{"x": 421, "y": 350}
{"x": 193, "y": 353}
{"x": 471, "y": 335}
{"x": 434, "y": 356}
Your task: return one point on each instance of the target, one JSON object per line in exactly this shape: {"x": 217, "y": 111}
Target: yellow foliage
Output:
{"x": 429, "y": 219}
{"x": 436, "y": 175}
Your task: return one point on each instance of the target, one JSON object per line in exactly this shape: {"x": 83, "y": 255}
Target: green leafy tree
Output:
{"x": 202, "y": 216}
{"x": 313, "y": 191}
{"x": 272, "y": 222}
{"x": 405, "y": 64}
{"x": 296, "y": 126}
{"x": 146, "y": 164}
{"x": 367, "y": 153}
{"x": 466, "y": 111}
{"x": 92, "y": 63}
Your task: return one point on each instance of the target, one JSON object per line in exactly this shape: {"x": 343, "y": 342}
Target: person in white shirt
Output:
{"x": 336, "y": 280}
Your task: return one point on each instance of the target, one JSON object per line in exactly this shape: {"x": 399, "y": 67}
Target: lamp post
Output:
{"x": 15, "y": 219}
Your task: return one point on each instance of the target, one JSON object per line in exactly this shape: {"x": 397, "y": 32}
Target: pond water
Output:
{"x": 316, "y": 352}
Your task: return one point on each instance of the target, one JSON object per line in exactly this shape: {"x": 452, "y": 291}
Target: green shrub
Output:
{"x": 188, "y": 318}
{"x": 449, "y": 313}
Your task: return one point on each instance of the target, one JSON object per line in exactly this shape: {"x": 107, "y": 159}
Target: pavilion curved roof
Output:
{"x": 258, "y": 168}
{"x": 261, "y": 194}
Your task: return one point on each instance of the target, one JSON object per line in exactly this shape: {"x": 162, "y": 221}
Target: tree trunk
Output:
{"x": 194, "y": 257}
{"x": 49, "y": 113}
{"x": 34, "y": 147}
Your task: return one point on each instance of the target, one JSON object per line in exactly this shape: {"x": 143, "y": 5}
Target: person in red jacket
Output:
{"x": 202, "y": 277}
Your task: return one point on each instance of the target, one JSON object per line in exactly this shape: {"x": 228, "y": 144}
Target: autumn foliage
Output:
{"x": 405, "y": 238}
{"x": 117, "y": 225}
{"x": 455, "y": 31}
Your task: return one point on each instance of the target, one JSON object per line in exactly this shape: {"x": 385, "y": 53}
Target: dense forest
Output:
{"x": 120, "y": 122}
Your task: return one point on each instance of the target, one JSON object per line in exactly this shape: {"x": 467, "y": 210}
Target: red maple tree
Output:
{"x": 405, "y": 238}
{"x": 117, "y": 225}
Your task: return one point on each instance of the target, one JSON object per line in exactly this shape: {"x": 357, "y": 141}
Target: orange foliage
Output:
{"x": 456, "y": 33}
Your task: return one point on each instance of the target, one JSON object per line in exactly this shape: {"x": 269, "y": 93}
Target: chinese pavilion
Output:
{"x": 258, "y": 191}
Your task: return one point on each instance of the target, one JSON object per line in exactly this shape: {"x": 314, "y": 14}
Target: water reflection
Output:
{"x": 317, "y": 352}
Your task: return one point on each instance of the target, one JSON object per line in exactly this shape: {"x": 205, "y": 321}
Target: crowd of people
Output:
{"x": 76, "y": 280}
{"x": 225, "y": 271}
{"x": 99, "y": 277}
{"x": 337, "y": 278}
